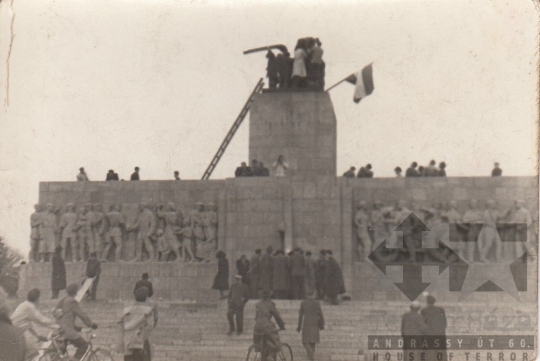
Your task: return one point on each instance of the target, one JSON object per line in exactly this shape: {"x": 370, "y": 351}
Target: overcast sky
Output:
{"x": 113, "y": 84}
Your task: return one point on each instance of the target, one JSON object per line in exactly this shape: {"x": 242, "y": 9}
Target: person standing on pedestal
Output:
{"x": 310, "y": 321}
{"x": 238, "y": 297}
{"x": 135, "y": 175}
{"x": 58, "y": 273}
{"x": 299, "y": 73}
{"x": 281, "y": 166}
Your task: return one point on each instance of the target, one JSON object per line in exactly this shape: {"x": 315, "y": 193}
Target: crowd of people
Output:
{"x": 305, "y": 69}
{"x": 413, "y": 171}
{"x": 111, "y": 175}
{"x": 288, "y": 276}
{"x": 257, "y": 169}
{"x": 22, "y": 332}
{"x": 277, "y": 275}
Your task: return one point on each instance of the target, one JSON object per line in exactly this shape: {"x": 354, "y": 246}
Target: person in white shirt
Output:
{"x": 26, "y": 317}
{"x": 281, "y": 166}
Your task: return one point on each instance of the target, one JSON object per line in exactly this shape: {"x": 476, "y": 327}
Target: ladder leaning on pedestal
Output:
{"x": 232, "y": 131}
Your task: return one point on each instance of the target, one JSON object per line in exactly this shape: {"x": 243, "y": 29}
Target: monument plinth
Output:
{"x": 301, "y": 126}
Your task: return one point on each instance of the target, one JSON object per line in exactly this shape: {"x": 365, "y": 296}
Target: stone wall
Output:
{"x": 299, "y": 125}
{"x": 310, "y": 213}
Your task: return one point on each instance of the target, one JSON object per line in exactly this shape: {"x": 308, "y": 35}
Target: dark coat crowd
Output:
{"x": 287, "y": 276}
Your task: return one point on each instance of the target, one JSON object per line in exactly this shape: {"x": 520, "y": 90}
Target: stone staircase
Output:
{"x": 197, "y": 331}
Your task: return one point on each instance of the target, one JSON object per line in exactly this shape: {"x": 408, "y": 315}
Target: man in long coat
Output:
{"x": 298, "y": 274}
{"x": 310, "y": 321}
{"x": 412, "y": 327}
{"x": 242, "y": 266}
{"x": 265, "y": 275}
{"x": 435, "y": 320}
{"x": 58, "y": 273}
{"x": 333, "y": 283}
{"x": 254, "y": 272}
{"x": 311, "y": 271}
{"x": 281, "y": 275}
{"x": 320, "y": 275}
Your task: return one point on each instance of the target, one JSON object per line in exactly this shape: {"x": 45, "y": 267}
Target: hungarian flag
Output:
{"x": 363, "y": 81}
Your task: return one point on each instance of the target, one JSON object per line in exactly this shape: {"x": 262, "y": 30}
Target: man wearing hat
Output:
{"x": 238, "y": 297}
{"x": 58, "y": 273}
{"x": 265, "y": 330}
{"x": 137, "y": 324}
{"x": 412, "y": 327}
{"x": 435, "y": 319}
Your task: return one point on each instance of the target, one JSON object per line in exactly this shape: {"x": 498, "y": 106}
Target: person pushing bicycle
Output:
{"x": 265, "y": 332}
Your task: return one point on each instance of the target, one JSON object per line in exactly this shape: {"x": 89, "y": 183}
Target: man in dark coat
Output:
{"x": 144, "y": 282}
{"x": 298, "y": 274}
{"x": 320, "y": 274}
{"x": 242, "y": 266}
{"x": 265, "y": 275}
{"x": 412, "y": 326}
{"x": 435, "y": 319}
{"x": 310, "y": 321}
{"x": 254, "y": 272}
{"x": 272, "y": 70}
{"x": 365, "y": 172}
{"x": 350, "y": 173}
{"x": 281, "y": 275}
{"x": 111, "y": 176}
{"x": 311, "y": 272}
{"x": 284, "y": 66}
{"x": 497, "y": 171}
{"x": 238, "y": 297}
{"x": 93, "y": 270}
{"x": 58, "y": 273}
{"x": 412, "y": 171}
{"x": 243, "y": 171}
{"x": 431, "y": 170}
{"x": 442, "y": 169}
{"x": 135, "y": 175}
{"x": 333, "y": 283}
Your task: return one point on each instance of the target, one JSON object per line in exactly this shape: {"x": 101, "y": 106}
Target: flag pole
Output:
{"x": 339, "y": 82}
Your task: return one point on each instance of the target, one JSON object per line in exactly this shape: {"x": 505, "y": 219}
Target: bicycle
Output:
{"x": 55, "y": 349}
{"x": 255, "y": 352}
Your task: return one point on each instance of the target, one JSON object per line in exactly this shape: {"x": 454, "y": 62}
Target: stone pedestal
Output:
{"x": 298, "y": 125}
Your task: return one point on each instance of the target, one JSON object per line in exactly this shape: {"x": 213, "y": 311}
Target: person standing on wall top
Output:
{"x": 442, "y": 169}
{"x": 135, "y": 175}
{"x": 111, "y": 176}
{"x": 412, "y": 172}
{"x": 398, "y": 171}
{"x": 281, "y": 166}
{"x": 497, "y": 171}
{"x": 350, "y": 173}
{"x": 176, "y": 175}
{"x": 82, "y": 176}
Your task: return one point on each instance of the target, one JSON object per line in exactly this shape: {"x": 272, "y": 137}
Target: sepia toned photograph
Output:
{"x": 269, "y": 180}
